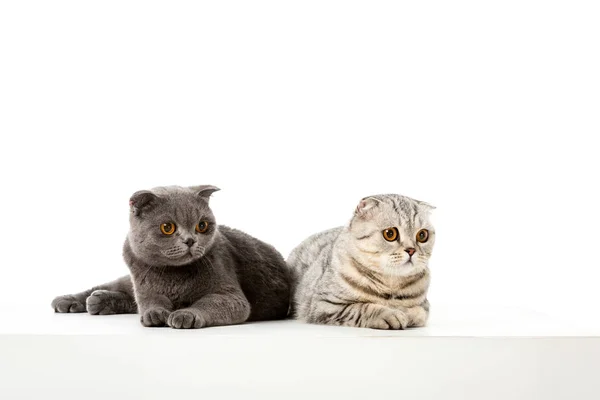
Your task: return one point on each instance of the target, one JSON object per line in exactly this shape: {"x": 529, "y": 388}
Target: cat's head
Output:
{"x": 392, "y": 234}
{"x": 171, "y": 225}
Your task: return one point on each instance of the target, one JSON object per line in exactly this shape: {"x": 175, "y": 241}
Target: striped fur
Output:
{"x": 352, "y": 276}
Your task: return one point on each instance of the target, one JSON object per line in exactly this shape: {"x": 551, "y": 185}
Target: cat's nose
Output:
{"x": 410, "y": 251}
{"x": 190, "y": 242}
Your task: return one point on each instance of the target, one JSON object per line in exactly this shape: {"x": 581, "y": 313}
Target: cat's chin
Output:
{"x": 175, "y": 262}
{"x": 183, "y": 260}
{"x": 408, "y": 268}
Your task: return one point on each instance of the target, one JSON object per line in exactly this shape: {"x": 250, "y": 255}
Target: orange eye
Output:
{"x": 168, "y": 228}
{"x": 202, "y": 227}
{"x": 390, "y": 234}
{"x": 422, "y": 236}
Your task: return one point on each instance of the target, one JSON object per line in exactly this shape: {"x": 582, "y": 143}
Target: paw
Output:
{"x": 155, "y": 317}
{"x": 67, "y": 304}
{"x": 100, "y": 302}
{"x": 186, "y": 319}
{"x": 418, "y": 316}
{"x": 389, "y": 319}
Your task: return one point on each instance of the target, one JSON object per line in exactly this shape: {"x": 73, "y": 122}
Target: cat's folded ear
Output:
{"x": 142, "y": 200}
{"x": 204, "y": 191}
{"x": 425, "y": 206}
{"x": 365, "y": 206}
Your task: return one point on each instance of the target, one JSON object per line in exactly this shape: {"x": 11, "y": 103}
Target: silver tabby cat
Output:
{"x": 372, "y": 273}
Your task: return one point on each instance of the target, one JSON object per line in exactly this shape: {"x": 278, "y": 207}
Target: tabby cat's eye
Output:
{"x": 202, "y": 227}
{"x": 422, "y": 236}
{"x": 390, "y": 234}
{"x": 168, "y": 228}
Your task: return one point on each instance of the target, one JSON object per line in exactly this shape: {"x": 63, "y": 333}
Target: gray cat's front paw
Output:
{"x": 155, "y": 317}
{"x": 389, "y": 319}
{"x": 100, "y": 302}
{"x": 67, "y": 304}
{"x": 186, "y": 319}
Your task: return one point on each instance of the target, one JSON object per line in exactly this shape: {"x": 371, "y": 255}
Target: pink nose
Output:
{"x": 410, "y": 251}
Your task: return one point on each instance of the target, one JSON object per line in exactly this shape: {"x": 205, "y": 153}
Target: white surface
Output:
{"x": 467, "y": 356}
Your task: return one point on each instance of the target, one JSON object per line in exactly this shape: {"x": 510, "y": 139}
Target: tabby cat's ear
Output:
{"x": 365, "y": 205}
{"x": 142, "y": 200}
{"x": 204, "y": 191}
{"x": 425, "y": 206}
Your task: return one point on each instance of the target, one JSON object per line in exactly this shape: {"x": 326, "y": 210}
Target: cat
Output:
{"x": 372, "y": 273}
{"x": 185, "y": 270}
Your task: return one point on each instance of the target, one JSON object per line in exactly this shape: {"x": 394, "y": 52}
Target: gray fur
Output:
{"x": 352, "y": 276}
{"x": 222, "y": 277}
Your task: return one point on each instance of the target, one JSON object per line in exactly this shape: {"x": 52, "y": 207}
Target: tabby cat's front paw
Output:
{"x": 67, "y": 304}
{"x": 389, "y": 319}
{"x": 186, "y": 319}
{"x": 155, "y": 317}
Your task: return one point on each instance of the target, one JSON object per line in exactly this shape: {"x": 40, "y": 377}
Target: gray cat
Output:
{"x": 373, "y": 273}
{"x": 186, "y": 271}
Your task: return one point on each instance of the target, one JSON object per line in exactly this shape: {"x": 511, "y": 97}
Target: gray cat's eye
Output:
{"x": 202, "y": 227}
{"x": 168, "y": 228}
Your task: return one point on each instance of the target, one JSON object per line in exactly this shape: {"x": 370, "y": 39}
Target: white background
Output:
{"x": 488, "y": 110}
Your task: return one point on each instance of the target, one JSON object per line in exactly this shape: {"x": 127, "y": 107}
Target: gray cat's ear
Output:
{"x": 142, "y": 200}
{"x": 365, "y": 205}
{"x": 204, "y": 191}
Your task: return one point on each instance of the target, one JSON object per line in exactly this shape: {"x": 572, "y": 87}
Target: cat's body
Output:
{"x": 354, "y": 276}
{"x": 192, "y": 277}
